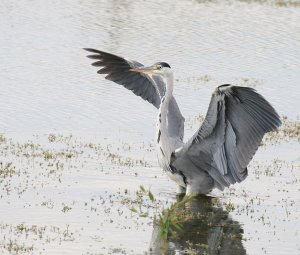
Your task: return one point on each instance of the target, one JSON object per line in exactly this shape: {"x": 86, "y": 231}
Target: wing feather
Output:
{"x": 151, "y": 89}
{"x": 117, "y": 70}
{"x": 235, "y": 123}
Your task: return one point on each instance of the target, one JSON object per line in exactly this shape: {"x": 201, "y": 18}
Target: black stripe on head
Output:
{"x": 164, "y": 64}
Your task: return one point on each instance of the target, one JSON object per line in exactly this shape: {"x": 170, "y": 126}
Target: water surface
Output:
{"x": 64, "y": 195}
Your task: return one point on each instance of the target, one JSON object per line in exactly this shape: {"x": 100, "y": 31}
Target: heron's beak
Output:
{"x": 143, "y": 69}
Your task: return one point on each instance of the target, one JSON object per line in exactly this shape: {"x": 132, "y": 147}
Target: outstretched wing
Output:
{"x": 235, "y": 123}
{"x": 117, "y": 70}
{"x": 149, "y": 88}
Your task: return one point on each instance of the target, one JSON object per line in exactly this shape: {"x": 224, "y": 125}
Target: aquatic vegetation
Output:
{"x": 289, "y": 131}
{"x": 286, "y": 3}
{"x": 66, "y": 208}
{"x": 37, "y": 175}
{"x": 170, "y": 220}
{"x": 277, "y": 3}
{"x": 7, "y": 170}
{"x": 13, "y": 247}
{"x": 20, "y": 238}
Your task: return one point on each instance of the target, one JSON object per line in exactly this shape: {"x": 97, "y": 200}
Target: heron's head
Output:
{"x": 159, "y": 68}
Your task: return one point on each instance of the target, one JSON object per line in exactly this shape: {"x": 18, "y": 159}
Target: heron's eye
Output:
{"x": 159, "y": 67}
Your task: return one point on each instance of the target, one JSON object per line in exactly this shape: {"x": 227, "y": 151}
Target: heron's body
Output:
{"x": 218, "y": 153}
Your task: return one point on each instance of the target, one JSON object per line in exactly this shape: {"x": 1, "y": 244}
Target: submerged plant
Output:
{"x": 170, "y": 219}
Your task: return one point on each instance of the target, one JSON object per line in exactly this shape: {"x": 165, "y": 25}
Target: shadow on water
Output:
{"x": 208, "y": 230}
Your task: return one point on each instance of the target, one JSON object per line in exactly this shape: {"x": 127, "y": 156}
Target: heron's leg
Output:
{"x": 180, "y": 190}
{"x": 201, "y": 183}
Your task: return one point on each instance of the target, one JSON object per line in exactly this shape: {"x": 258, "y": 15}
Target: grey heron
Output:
{"x": 218, "y": 154}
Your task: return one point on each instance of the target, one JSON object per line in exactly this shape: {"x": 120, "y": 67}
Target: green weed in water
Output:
{"x": 169, "y": 220}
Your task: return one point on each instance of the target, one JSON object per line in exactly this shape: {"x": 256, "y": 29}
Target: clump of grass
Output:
{"x": 16, "y": 248}
{"x": 229, "y": 207}
{"x": 7, "y": 170}
{"x": 2, "y": 138}
{"x": 139, "y": 201}
{"x": 285, "y": 3}
{"x": 51, "y": 138}
{"x": 288, "y": 131}
{"x": 33, "y": 229}
{"x": 117, "y": 159}
{"x": 170, "y": 219}
{"x": 66, "y": 208}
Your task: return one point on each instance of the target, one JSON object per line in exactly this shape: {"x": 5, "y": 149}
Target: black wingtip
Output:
{"x": 91, "y": 50}
{"x": 94, "y": 56}
{"x": 87, "y": 49}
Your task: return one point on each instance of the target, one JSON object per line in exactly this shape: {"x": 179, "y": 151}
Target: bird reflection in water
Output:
{"x": 209, "y": 231}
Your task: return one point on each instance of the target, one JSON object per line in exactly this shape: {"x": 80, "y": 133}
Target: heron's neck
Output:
{"x": 166, "y": 100}
{"x": 163, "y": 137}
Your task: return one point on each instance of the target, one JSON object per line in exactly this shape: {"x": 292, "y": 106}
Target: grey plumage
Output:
{"x": 117, "y": 70}
{"x": 219, "y": 152}
{"x": 235, "y": 123}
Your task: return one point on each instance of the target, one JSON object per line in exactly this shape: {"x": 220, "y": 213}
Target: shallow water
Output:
{"x": 68, "y": 191}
